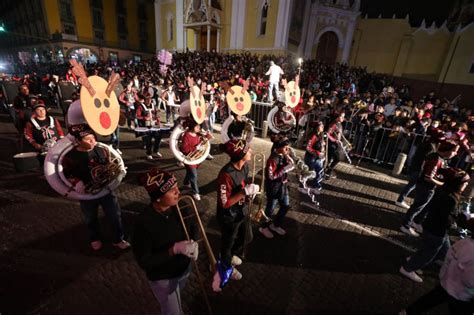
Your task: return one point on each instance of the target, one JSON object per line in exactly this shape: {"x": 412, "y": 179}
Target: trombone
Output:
{"x": 188, "y": 202}
{"x": 252, "y": 215}
{"x": 258, "y": 214}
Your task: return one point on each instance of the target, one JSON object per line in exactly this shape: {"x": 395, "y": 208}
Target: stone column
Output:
{"x": 208, "y": 38}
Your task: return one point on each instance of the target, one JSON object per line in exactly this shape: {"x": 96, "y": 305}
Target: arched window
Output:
{"x": 263, "y": 19}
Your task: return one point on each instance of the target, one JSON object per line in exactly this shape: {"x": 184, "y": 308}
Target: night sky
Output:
{"x": 418, "y": 10}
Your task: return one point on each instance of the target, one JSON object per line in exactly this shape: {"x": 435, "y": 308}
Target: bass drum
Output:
{"x": 53, "y": 170}
{"x": 282, "y": 124}
{"x": 194, "y": 158}
{"x": 247, "y": 133}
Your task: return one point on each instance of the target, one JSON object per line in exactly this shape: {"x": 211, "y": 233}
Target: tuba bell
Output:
{"x": 247, "y": 133}
{"x": 103, "y": 120}
{"x": 280, "y": 119}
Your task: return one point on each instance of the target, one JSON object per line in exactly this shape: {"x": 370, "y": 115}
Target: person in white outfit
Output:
{"x": 274, "y": 72}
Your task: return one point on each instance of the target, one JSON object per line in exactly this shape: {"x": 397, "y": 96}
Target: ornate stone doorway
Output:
{"x": 327, "y": 47}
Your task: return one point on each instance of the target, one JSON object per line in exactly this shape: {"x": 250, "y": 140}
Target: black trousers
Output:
{"x": 233, "y": 230}
{"x": 334, "y": 156}
{"x": 436, "y": 297}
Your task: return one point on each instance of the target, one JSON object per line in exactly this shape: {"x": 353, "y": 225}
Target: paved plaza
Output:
{"x": 340, "y": 258}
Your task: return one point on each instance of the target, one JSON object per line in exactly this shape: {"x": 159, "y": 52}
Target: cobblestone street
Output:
{"x": 340, "y": 258}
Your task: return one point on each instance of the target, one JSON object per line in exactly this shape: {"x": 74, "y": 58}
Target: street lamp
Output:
{"x": 300, "y": 62}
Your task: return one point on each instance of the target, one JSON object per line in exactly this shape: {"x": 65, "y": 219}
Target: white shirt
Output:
{"x": 457, "y": 272}
{"x": 389, "y": 109}
{"x": 274, "y": 72}
{"x": 171, "y": 98}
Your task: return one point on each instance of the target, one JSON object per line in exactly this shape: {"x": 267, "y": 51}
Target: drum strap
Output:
{"x": 37, "y": 126}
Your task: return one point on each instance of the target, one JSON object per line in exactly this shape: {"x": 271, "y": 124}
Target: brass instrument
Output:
{"x": 48, "y": 144}
{"x": 258, "y": 214}
{"x": 201, "y": 149}
{"x": 346, "y": 146}
{"x": 102, "y": 175}
{"x": 248, "y": 132}
{"x": 189, "y": 203}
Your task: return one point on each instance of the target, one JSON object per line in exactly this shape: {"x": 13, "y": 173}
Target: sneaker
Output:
{"x": 419, "y": 271}
{"x": 158, "y": 154}
{"x": 329, "y": 176}
{"x": 236, "y": 261}
{"x": 149, "y": 157}
{"x": 96, "y": 245}
{"x": 402, "y": 204}
{"x": 197, "y": 197}
{"x": 236, "y": 275}
{"x": 409, "y": 230}
{"x": 266, "y": 232}
{"x": 277, "y": 229}
{"x": 180, "y": 164}
{"x": 118, "y": 151}
{"x": 417, "y": 227}
{"x": 122, "y": 244}
{"x": 316, "y": 191}
{"x": 209, "y": 157}
{"x": 411, "y": 275}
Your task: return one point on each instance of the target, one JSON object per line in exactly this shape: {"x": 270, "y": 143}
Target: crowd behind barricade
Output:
{"x": 382, "y": 119}
{"x": 378, "y": 118}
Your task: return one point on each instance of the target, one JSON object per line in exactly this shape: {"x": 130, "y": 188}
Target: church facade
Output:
{"x": 330, "y": 30}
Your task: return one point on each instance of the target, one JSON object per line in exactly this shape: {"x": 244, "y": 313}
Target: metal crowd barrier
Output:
{"x": 259, "y": 113}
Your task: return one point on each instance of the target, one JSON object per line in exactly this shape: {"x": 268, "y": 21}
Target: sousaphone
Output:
{"x": 196, "y": 106}
{"x": 239, "y": 102}
{"x": 280, "y": 118}
{"x": 99, "y": 108}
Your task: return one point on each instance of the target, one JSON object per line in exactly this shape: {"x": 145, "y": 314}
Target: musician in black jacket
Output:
{"x": 159, "y": 241}
{"x": 233, "y": 187}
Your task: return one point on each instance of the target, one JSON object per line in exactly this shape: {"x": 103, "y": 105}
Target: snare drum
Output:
{"x": 26, "y": 161}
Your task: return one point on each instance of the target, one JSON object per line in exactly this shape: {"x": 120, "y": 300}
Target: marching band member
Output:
{"x": 170, "y": 98}
{"x": 335, "y": 146}
{"x": 431, "y": 177}
{"x": 22, "y": 105}
{"x": 159, "y": 241}
{"x": 42, "y": 127}
{"x": 128, "y": 97}
{"x": 191, "y": 140}
{"x": 147, "y": 117}
{"x": 315, "y": 156}
{"x": 81, "y": 165}
{"x": 232, "y": 191}
{"x": 279, "y": 164}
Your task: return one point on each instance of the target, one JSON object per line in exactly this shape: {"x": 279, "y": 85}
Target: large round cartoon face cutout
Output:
{"x": 292, "y": 94}
{"x": 238, "y": 100}
{"x": 198, "y": 105}
{"x": 101, "y": 111}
